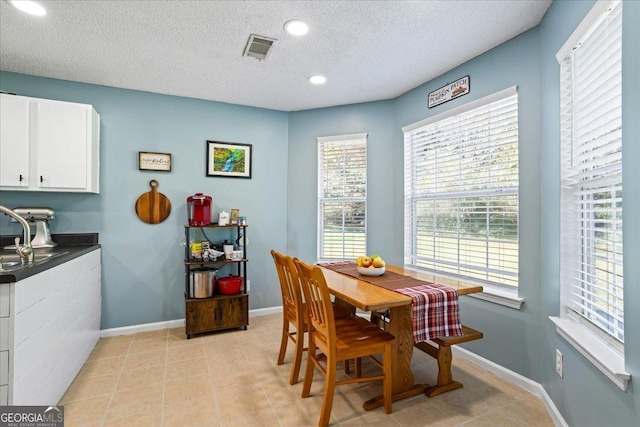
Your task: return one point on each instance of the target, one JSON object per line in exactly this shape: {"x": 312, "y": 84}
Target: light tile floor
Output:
{"x": 160, "y": 378}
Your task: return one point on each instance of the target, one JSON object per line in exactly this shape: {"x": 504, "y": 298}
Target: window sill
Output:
{"x": 494, "y": 294}
{"x": 607, "y": 360}
{"x": 507, "y": 297}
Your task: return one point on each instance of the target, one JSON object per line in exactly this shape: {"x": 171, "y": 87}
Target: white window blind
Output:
{"x": 461, "y": 192}
{"x": 591, "y": 193}
{"x": 342, "y": 196}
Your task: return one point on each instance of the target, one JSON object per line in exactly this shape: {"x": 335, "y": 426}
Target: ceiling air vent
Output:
{"x": 258, "y": 46}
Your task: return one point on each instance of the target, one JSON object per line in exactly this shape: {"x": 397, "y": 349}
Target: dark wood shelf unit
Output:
{"x": 220, "y": 311}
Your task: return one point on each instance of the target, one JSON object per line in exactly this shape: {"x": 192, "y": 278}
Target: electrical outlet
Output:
{"x": 248, "y": 285}
{"x": 559, "y": 363}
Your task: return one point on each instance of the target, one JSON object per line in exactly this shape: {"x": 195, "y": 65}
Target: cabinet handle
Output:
{"x": 21, "y": 178}
{"x": 41, "y": 178}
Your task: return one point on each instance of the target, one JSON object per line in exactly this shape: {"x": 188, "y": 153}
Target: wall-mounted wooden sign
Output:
{"x": 449, "y": 91}
{"x": 154, "y": 161}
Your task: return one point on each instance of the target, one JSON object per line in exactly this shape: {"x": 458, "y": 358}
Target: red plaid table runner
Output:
{"x": 435, "y": 309}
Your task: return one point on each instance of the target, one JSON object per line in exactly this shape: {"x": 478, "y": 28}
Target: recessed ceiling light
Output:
{"x": 28, "y": 6}
{"x": 296, "y": 27}
{"x": 317, "y": 79}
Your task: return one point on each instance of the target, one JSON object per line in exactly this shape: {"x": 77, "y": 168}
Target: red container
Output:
{"x": 230, "y": 285}
{"x": 199, "y": 209}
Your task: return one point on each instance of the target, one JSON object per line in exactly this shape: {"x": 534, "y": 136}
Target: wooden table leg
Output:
{"x": 401, "y": 327}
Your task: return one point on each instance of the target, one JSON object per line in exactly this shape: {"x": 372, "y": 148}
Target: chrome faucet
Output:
{"x": 25, "y": 252}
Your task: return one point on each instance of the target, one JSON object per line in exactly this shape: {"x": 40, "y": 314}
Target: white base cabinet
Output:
{"x": 54, "y": 325}
{"x": 6, "y": 340}
{"x": 48, "y": 145}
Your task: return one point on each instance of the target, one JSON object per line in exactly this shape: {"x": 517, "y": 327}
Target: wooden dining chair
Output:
{"x": 339, "y": 339}
{"x": 292, "y": 312}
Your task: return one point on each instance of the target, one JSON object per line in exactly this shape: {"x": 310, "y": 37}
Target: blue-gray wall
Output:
{"x": 143, "y": 273}
{"x": 521, "y": 340}
{"x": 142, "y": 279}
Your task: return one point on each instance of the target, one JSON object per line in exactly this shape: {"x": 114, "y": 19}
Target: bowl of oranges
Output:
{"x": 371, "y": 266}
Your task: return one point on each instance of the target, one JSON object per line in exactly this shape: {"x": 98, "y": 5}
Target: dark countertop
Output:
{"x": 74, "y": 245}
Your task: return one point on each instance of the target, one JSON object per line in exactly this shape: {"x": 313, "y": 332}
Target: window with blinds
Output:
{"x": 591, "y": 168}
{"x": 461, "y": 191}
{"x": 342, "y": 196}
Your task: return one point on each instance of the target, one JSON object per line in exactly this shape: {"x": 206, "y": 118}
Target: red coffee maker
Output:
{"x": 199, "y": 209}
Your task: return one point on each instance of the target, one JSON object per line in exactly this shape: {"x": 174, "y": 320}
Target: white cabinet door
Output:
{"x": 4, "y": 395}
{"x": 61, "y": 141}
{"x": 5, "y": 300}
{"x": 14, "y": 141}
{"x": 4, "y": 367}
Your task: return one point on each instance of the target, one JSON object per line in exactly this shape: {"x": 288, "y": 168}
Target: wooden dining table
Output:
{"x": 352, "y": 293}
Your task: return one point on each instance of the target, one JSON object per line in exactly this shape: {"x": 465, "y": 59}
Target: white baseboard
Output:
{"x": 145, "y": 327}
{"x": 177, "y": 323}
{"x": 264, "y": 311}
{"x": 514, "y": 378}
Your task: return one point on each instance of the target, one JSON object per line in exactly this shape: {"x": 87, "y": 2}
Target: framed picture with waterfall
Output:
{"x": 228, "y": 159}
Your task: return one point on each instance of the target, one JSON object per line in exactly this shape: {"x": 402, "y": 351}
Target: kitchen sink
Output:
{"x": 9, "y": 264}
{"x": 13, "y": 262}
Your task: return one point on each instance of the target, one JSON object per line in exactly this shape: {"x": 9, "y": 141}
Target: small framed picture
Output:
{"x": 229, "y": 159}
{"x": 154, "y": 161}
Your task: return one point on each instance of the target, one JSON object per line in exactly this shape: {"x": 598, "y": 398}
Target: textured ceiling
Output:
{"x": 368, "y": 50}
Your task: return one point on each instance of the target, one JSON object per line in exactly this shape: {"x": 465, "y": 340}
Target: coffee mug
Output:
{"x": 228, "y": 251}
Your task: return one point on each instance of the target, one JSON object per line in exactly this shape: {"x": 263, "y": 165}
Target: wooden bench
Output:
{"x": 441, "y": 352}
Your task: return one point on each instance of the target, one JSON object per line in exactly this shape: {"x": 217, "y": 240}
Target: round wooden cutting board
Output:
{"x": 153, "y": 207}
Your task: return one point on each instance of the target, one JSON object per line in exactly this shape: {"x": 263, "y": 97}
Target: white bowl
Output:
{"x": 365, "y": 271}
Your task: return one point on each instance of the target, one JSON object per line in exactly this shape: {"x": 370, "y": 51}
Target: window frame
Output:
{"x": 494, "y": 292}
{"x": 597, "y": 345}
{"x": 321, "y": 200}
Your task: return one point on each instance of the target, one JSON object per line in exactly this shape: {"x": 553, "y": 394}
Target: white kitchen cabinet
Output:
{"x": 4, "y": 395}
{"x": 5, "y": 299}
{"x": 5, "y": 327}
{"x": 55, "y": 324}
{"x": 6, "y": 340}
{"x": 48, "y": 145}
{"x": 4, "y": 367}
{"x": 14, "y": 141}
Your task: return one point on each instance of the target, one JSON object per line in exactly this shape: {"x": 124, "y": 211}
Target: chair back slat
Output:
{"x": 289, "y": 285}
{"x": 318, "y": 302}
